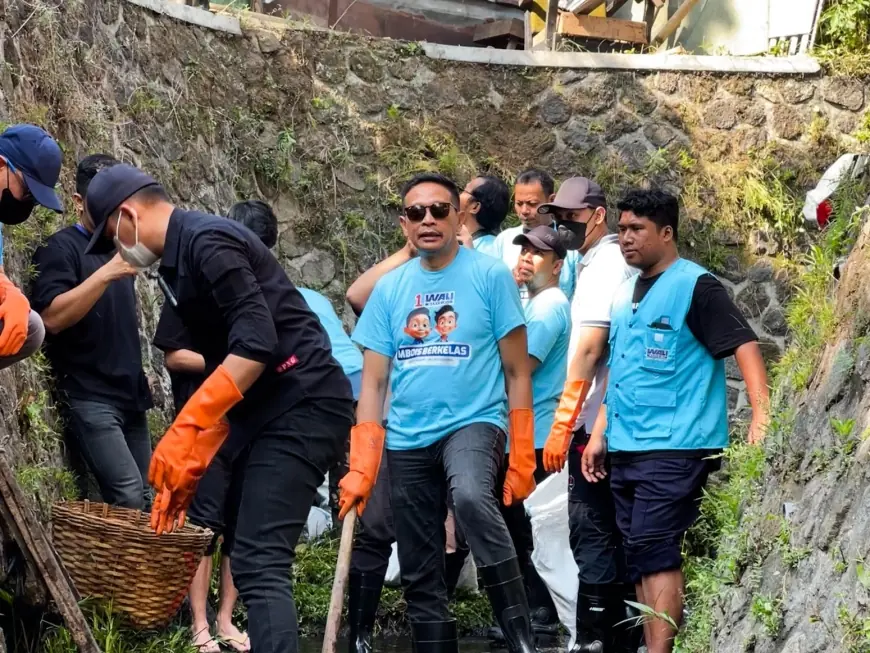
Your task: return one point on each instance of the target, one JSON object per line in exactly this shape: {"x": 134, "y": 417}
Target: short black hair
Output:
{"x": 259, "y": 218}
{"x": 535, "y": 176}
{"x": 447, "y": 308}
{"x": 495, "y": 198}
{"x": 657, "y": 205}
{"x": 418, "y": 311}
{"x": 432, "y": 178}
{"x": 88, "y": 168}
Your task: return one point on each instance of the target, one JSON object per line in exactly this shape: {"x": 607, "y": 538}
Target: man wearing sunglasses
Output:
{"x": 484, "y": 204}
{"x": 532, "y": 189}
{"x": 30, "y": 163}
{"x": 448, "y": 416}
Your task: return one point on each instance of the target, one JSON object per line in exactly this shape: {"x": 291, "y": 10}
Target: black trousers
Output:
{"x": 466, "y": 464}
{"x": 216, "y": 503}
{"x": 282, "y": 467}
{"x": 520, "y": 527}
{"x": 376, "y": 533}
{"x": 595, "y": 539}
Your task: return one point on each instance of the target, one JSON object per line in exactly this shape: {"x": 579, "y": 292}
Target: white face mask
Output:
{"x": 138, "y": 255}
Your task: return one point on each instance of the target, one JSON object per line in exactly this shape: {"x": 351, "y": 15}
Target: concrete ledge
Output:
{"x": 798, "y": 65}
{"x": 193, "y": 15}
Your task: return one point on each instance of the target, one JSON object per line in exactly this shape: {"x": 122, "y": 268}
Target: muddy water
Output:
{"x": 394, "y": 645}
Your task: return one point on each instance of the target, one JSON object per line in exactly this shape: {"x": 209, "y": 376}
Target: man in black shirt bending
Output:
{"x": 270, "y": 372}
{"x": 88, "y": 305}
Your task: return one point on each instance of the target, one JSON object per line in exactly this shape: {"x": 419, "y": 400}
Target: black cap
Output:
{"x": 576, "y": 193}
{"x": 108, "y": 190}
{"x": 544, "y": 239}
{"x": 36, "y": 154}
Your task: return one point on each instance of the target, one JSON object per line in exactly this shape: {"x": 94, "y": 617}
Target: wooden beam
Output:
{"x": 550, "y": 26}
{"x": 498, "y": 30}
{"x": 37, "y": 549}
{"x": 257, "y": 6}
{"x": 605, "y": 29}
{"x": 527, "y": 31}
{"x": 671, "y": 26}
{"x": 589, "y": 6}
{"x": 649, "y": 18}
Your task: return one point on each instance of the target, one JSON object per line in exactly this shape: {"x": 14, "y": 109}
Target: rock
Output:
{"x": 727, "y": 237}
{"x": 268, "y": 42}
{"x": 847, "y": 123}
{"x": 619, "y": 123}
{"x": 567, "y": 77}
{"x": 659, "y": 134}
{"x": 350, "y": 178}
{"x": 795, "y": 92}
{"x": 769, "y": 90}
{"x": 580, "y": 137}
{"x": 783, "y": 286}
{"x": 364, "y": 65}
{"x": 639, "y": 100}
{"x": 749, "y": 139}
{"x": 770, "y": 351}
{"x": 760, "y": 271}
{"x": 732, "y": 369}
{"x": 732, "y": 269}
{"x": 774, "y": 321}
{"x": 554, "y": 110}
{"x": 697, "y": 88}
{"x": 314, "y": 269}
{"x": 495, "y": 99}
{"x": 751, "y": 113}
{"x": 721, "y": 115}
{"x": 733, "y": 397}
{"x": 739, "y": 85}
{"x": 593, "y": 94}
{"x": 405, "y": 70}
{"x": 843, "y": 92}
{"x": 667, "y": 83}
{"x": 752, "y": 301}
{"x": 633, "y": 151}
{"x": 788, "y": 122}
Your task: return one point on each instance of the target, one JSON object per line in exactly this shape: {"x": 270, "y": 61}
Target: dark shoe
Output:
{"x": 495, "y": 636}
{"x": 628, "y": 621}
{"x": 363, "y": 597}
{"x": 544, "y": 623}
{"x": 434, "y": 637}
{"x": 507, "y": 595}
{"x": 594, "y": 622}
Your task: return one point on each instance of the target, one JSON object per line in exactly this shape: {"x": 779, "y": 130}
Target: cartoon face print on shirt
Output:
{"x": 435, "y": 352}
{"x": 417, "y": 326}
{"x": 445, "y": 321}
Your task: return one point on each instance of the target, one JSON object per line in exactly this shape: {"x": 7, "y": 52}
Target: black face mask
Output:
{"x": 12, "y": 210}
{"x": 573, "y": 234}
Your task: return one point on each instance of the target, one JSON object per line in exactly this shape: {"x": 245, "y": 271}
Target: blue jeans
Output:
{"x": 115, "y": 445}
{"x": 467, "y": 464}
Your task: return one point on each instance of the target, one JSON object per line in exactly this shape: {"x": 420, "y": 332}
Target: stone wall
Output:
{"x": 325, "y": 126}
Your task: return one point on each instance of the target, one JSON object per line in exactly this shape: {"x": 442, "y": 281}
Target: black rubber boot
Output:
{"x": 507, "y": 595}
{"x": 544, "y": 618}
{"x": 627, "y": 621}
{"x": 363, "y": 596}
{"x": 593, "y": 619}
{"x": 453, "y": 564}
{"x": 435, "y": 637}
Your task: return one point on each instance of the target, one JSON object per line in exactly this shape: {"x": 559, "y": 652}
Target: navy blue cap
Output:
{"x": 36, "y": 154}
{"x": 108, "y": 190}
{"x": 543, "y": 238}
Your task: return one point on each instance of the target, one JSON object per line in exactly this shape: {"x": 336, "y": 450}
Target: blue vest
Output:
{"x": 665, "y": 390}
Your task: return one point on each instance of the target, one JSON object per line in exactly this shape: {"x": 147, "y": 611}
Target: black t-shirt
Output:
{"x": 171, "y": 335}
{"x": 98, "y": 358}
{"x": 717, "y": 324}
{"x": 233, "y": 297}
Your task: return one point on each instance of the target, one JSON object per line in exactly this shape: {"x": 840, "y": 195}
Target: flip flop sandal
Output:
{"x": 229, "y": 644}
{"x": 211, "y": 645}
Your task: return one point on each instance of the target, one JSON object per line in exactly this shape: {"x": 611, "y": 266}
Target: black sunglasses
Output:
{"x": 417, "y": 212}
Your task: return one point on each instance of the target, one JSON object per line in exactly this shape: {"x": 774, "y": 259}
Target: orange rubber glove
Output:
{"x": 185, "y": 451}
{"x": 366, "y": 449}
{"x": 15, "y": 313}
{"x": 170, "y": 506}
{"x": 556, "y": 448}
{"x": 519, "y": 482}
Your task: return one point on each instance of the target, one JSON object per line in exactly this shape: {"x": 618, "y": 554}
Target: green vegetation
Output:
{"x": 767, "y": 611}
{"x": 842, "y": 43}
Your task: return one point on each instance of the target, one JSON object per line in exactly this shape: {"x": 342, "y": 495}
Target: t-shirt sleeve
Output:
{"x": 373, "y": 330}
{"x": 171, "y": 334}
{"x": 594, "y": 308}
{"x": 714, "y": 319}
{"x": 505, "y": 306}
{"x": 543, "y": 332}
{"x": 55, "y": 273}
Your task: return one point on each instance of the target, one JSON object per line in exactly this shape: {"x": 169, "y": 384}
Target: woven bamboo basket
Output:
{"x": 112, "y": 554}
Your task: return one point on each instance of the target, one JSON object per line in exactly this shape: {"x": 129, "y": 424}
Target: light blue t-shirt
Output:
{"x": 1, "y": 245}
{"x": 345, "y": 352}
{"x": 505, "y": 249}
{"x": 441, "y": 330}
{"x": 548, "y": 323}
{"x": 486, "y": 245}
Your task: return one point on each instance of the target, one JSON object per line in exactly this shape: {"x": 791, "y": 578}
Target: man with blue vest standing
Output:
{"x": 666, "y": 408}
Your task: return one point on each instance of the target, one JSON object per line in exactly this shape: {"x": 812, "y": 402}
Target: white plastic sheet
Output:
{"x": 467, "y": 577}
{"x": 547, "y": 508}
